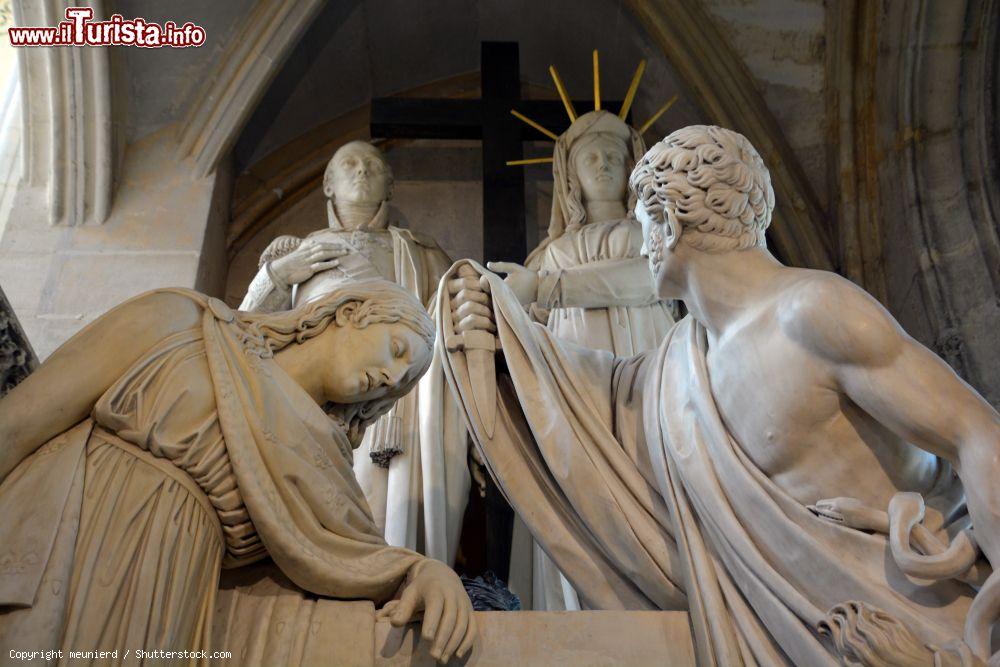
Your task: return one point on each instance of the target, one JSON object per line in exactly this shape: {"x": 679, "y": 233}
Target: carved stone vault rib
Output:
{"x": 241, "y": 76}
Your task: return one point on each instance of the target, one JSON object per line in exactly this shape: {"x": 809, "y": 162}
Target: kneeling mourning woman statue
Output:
{"x": 174, "y": 437}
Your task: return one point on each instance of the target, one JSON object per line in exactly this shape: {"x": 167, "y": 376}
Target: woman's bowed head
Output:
{"x": 360, "y": 348}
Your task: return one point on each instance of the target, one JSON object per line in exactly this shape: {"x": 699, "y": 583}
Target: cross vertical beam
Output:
{"x": 504, "y": 231}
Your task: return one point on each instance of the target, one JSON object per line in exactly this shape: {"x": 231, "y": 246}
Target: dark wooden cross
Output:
{"x": 504, "y": 225}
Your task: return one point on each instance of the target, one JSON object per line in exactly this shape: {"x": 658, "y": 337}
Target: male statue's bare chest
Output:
{"x": 771, "y": 396}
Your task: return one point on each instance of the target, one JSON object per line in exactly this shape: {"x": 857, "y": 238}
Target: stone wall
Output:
{"x": 60, "y": 278}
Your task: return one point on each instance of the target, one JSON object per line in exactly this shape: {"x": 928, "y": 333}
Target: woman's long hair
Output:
{"x": 358, "y": 304}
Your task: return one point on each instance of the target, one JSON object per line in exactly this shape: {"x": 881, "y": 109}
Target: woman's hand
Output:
{"x": 433, "y": 588}
{"x": 522, "y": 281}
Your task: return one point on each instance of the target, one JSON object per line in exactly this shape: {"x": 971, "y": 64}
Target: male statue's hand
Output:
{"x": 471, "y": 307}
{"x": 522, "y": 281}
{"x": 432, "y": 587}
{"x": 310, "y": 257}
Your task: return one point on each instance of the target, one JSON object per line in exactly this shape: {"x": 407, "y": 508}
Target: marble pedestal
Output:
{"x": 264, "y": 619}
{"x": 555, "y": 639}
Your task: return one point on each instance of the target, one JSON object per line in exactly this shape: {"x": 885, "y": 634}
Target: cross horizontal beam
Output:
{"x": 436, "y": 118}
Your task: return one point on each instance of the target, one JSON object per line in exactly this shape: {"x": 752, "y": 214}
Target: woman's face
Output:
{"x": 367, "y": 364}
{"x": 600, "y": 166}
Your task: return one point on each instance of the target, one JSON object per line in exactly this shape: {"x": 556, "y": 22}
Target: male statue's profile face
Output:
{"x": 360, "y": 175}
{"x": 662, "y": 251}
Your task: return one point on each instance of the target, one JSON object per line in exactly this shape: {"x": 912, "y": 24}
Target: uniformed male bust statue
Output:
{"x": 413, "y": 470}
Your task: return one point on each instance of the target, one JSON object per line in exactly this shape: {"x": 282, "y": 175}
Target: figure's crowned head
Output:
{"x": 705, "y": 185}
{"x": 358, "y": 174}
{"x": 592, "y": 159}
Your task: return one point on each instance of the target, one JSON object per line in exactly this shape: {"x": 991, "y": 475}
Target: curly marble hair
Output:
{"x": 709, "y": 185}
{"x": 329, "y": 176}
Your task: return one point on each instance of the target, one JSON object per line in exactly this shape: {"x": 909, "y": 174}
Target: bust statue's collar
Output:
{"x": 378, "y": 222}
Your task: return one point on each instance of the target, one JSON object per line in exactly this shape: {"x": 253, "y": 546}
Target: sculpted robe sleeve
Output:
{"x": 600, "y": 284}
{"x": 267, "y": 294}
{"x": 568, "y": 452}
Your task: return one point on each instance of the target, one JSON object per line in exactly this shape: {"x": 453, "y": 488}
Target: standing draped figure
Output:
{"x": 587, "y": 281}
{"x": 412, "y": 464}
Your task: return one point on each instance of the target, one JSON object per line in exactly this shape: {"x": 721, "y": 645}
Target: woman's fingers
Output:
{"x": 432, "y": 615}
{"x": 387, "y": 609}
{"x": 458, "y": 632}
{"x": 445, "y": 628}
{"x": 403, "y": 612}
{"x": 470, "y": 637}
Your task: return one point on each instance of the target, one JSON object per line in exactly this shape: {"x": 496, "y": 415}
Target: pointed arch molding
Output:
{"x": 240, "y": 78}
{"x": 716, "y": 77}
{"x": 66, "y": 119}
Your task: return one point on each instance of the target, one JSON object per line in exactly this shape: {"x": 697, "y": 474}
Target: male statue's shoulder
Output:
{"x": 279, "y": 247}
{"x": 834, "y": 318}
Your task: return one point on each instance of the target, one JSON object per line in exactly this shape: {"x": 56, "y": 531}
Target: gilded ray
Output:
{"x": 656, "y": 116}
{"x": 632, "y": 88}
{"x": 597, "y": 82}
{"x": 567, "y": 102}
{"x": 524, "y": 119}
{"x": 533, "y": 160}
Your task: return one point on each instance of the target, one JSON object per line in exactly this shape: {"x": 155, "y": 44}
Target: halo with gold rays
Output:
{"x": 571, "y": 111}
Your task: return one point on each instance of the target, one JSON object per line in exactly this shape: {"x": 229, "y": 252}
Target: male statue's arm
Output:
{"x": 63, "y": 390}
{"x": 908, "y": 389}
{"x": 266, "y": 294}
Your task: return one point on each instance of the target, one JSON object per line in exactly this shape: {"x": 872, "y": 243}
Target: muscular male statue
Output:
{"x": 412, "y": 463}
{"x": 810, "y": 482}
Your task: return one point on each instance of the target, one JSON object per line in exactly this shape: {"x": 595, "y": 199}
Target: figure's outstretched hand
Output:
{"x": 309, "y": 258}
{"x": 471, "y": 307}
{"x": 522, "y": 281}
{"x": 434, "y": 589}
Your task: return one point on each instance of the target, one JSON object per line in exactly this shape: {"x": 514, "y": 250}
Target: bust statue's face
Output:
{"x": 366, "y": 364}
{"x": 360, "y": 175}
{"x": 600, "y": 166}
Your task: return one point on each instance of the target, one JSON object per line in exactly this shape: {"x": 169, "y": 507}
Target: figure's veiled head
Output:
{"x": 370, "y": 342}
{"x": 591, "y": 162}
{"x": 705, "y": 186}
{"x": 358, "y": 174}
